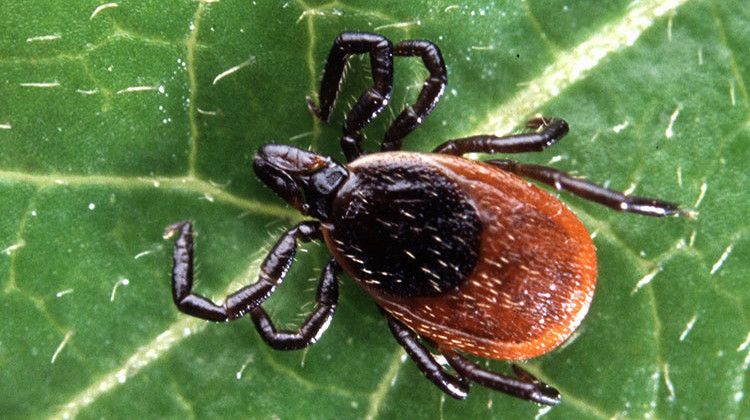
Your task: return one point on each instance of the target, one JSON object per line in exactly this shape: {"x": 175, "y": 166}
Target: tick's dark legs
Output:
{"x": 562, "y": 181}
{"x": 346, "y": 44}
{"x": 316, "y": 323}
{"x": 550, "y": 131}
{"x": 456, "y": 387}
{"x": 432, "y": 89}
{"x": 374, "y": 99}
{"x": 272, "y": 273}
{"x": 523, "y": 386}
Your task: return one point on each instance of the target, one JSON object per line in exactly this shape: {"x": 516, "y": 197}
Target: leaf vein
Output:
{"x": 574, "y": 65}
{"x": 187, "y": 183}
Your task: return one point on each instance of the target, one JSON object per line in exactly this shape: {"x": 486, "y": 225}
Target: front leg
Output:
{"x": 372, "y": 101}
{"x": 272, "y": 273}
{"x": 432, "y": 89}
{"x": 381, "y": 61}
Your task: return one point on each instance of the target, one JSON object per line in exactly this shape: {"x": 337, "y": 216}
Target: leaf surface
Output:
{"x": 119, "y": 119}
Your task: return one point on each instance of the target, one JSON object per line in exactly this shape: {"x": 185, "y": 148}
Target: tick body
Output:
{"x": 464, "y": 254}
{"x": 460, "y": 256}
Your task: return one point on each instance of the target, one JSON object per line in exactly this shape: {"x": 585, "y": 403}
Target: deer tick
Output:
{"x": 461, "y": 257}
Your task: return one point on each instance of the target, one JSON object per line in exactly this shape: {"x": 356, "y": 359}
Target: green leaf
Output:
{"x": 118, "y": 119}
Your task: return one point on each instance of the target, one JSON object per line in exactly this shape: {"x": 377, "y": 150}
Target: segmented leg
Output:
{"x": 316, "y": 323}
{"x": 372, "y": 101}
{"x": 550, "y": 131}
{"x": 524, "y": 386}
{"x": 432, "y": 89}
{"x": 272, "y": 273}
{"x": 456, "y": 387}
{"x": 563, "y": 181}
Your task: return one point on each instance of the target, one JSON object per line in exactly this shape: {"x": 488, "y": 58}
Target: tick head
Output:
{"x": 308, "y": 181}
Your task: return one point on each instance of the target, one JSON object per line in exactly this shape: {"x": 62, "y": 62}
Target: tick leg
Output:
{"x": 549, "y": 131}
{"x": 272, "y": 273}
{"x": 432, "y": 89}
{"x": 372, "y": 101}
{"x": 563, "y": 181}
{"x": 316, "y": 323}
{"x": 524, "y": 386}
{"x": 456, "y": 387}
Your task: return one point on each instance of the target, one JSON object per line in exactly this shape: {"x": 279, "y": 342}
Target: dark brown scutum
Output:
{"x": 405, "y": 229}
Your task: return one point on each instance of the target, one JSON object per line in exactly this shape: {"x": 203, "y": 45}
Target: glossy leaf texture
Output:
{"x": 117, "y": 119}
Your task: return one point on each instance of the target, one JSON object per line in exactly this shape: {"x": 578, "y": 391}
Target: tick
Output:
{"x": 461, "y": 257}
